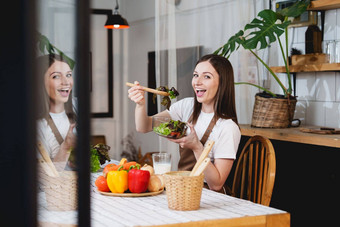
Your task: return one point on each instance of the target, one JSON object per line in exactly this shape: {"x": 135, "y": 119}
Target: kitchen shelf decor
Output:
{"x": 317, "y": 5}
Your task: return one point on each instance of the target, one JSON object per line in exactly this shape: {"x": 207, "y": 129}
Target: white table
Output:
{"x": 215, "y": 209}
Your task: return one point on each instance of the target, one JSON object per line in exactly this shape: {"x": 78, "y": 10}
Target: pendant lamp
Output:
{"x": 116, "y": 21}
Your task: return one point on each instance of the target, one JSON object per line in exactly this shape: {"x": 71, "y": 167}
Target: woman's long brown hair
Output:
{"x": 43, "y": 63}
{"x": 225, "y": 97}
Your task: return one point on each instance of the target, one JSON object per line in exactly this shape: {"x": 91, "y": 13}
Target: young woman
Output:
{"x": 56, "y": 115}
{"x": 211, "y": 116}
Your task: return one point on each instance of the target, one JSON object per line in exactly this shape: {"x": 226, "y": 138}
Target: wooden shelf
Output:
{"x": 324, "y": 5}
{"x": 293, "y": 135}
{"x": 308, "y": 68}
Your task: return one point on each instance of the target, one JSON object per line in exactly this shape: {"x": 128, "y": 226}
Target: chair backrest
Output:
{"x": 255, "y": 171}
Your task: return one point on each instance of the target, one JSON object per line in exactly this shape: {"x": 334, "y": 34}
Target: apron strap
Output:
{"x": 187, "y": 158}
{"x": 55, "y": 130}
{"x": 208, "y": 131}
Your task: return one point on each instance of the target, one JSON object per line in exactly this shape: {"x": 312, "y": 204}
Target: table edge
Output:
{"x": 270, "y": 220}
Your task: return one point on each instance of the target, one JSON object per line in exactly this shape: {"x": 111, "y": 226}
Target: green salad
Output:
{"x": 166, "y": 100}
{"x": 172, "y": 129}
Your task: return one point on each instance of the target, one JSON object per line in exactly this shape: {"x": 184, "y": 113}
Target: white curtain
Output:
{"x": 208, "y": 24}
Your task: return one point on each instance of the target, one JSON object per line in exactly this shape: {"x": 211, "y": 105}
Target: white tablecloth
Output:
{"x": 153, "y": 210}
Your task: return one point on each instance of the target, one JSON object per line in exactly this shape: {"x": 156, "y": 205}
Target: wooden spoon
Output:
{"x": 203, "y": 156}
{"x": 201, "y": 167}
{"x": 154, "y": 91}
{"x": 47, "y": 160}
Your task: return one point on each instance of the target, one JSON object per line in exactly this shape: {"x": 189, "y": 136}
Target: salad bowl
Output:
{"x": 168, "y": 128}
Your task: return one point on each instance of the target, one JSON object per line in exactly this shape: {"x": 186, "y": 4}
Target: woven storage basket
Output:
{"x": 61, "y": 192}
{"x": 273, "y": 112}
{"x": 183, "y": 192}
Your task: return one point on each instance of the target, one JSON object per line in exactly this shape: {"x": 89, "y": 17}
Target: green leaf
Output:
{"x": 172, "y": 95}
{"x": 266, "y": 30}
{"x": 94, "y": 160}
{"x": 294, "y": 10}
{"x": 69, "y": 60}
{"x": 230, "y": 46}
{"x": 44, "y": 43}
{"x": 166, "y": 102}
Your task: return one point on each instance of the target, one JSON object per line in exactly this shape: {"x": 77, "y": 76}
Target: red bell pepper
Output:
{"x": 138, "y": 179}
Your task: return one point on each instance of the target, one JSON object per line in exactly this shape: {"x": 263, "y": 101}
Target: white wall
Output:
{"x": 115, "y": 128}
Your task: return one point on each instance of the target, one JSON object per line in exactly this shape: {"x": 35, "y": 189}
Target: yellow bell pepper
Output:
{"x": 117, "y": 181}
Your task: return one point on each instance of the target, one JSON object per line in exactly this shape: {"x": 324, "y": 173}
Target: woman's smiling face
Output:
{"x": 59, "y": 82}
{"x": 205, "y": 82}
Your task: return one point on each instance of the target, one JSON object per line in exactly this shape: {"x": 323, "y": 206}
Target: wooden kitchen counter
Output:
{"x": 293, "y": 135}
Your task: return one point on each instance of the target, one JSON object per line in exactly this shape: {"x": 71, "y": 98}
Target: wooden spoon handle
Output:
{"x": 154, "y": 91}
{"x": 47, "y": 159}
{"x": 201, "y": 167}
{"x": 204, "y": 154}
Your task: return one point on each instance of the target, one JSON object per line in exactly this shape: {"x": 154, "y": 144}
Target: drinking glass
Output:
{"x": 161, "y": 162}
{"x": 330, "y": 50}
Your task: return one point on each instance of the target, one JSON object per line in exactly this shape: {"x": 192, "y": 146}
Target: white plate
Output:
{"x": 129, "y": 194}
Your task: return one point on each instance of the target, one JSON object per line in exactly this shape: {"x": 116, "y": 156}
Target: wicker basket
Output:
{"x": 183, "y": 192}
{"x": 61, "y": 192}
{"x": 273, "y": 112}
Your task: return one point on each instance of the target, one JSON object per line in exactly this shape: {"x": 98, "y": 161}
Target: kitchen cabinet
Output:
{"x": 306, "y": 173}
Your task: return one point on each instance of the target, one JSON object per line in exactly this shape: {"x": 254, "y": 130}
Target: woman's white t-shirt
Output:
{"x": 225, "y": 133}
{"x": 47, "y": 137}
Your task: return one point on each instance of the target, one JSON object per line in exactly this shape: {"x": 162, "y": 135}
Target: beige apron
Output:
{"x": 187, "y": 158}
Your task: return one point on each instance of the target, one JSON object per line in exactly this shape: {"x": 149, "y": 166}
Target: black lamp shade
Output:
{"x": 116, "y": 21}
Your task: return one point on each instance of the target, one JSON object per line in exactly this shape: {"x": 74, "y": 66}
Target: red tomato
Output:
{"x": 101, "y": 184}
{"x": 175, "y": 134}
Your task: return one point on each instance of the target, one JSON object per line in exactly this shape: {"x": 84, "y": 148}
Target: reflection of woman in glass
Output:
{"x": 56, "y": 115}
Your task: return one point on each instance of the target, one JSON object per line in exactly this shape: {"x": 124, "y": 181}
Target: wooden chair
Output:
{"x": 255, "y": 171}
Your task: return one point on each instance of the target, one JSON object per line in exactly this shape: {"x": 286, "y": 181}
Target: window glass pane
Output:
{"x": 57, "y": 112}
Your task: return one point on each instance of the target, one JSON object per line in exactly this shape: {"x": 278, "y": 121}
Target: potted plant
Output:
{"x": 270, "y": 110}
{"x": 44, "y": 44}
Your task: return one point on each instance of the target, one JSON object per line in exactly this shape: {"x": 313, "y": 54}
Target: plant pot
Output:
{"x": 271, "y": 112}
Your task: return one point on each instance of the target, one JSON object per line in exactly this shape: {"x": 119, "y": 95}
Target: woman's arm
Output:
{"x": 217, "y": 173}
{"x": 142, "y": 120}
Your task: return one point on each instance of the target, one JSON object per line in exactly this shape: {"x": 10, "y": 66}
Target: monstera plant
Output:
{"x": 262, "y": 31}
{"x": 46, "y": 47}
